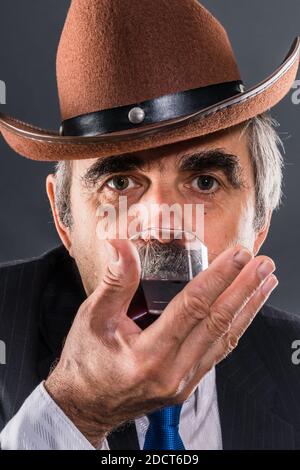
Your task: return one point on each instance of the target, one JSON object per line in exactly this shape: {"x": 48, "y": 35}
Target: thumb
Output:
{"x": 120, "y": 278}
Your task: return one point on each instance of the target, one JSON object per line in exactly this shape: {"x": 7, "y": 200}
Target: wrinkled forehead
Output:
{"x": 233, "y": 141}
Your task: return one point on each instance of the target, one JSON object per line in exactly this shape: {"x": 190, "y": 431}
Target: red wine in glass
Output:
{"x": 151, "y": 298}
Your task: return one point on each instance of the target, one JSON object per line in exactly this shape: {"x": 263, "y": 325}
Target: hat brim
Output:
{"x": 45, "y": 145}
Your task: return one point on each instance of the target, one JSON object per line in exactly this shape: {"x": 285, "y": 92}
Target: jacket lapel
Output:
{"x": 247, "y": 397}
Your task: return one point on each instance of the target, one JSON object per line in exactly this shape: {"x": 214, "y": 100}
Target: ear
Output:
{"x": 262, "y": 234}
{"x": 62, "y": 230}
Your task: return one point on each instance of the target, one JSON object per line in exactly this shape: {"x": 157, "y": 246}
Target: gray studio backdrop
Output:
{"x": 261, "y": 32}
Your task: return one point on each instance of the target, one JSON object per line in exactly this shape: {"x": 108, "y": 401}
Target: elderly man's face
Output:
{"x": 215, "y": 171}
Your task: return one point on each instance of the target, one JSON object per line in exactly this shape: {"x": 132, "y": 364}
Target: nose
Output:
{"x": 163, "y": 208}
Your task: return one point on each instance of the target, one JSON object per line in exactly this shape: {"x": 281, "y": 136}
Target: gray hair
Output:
{"x": 265, "y": 148}
{"x": 63, "y": 180}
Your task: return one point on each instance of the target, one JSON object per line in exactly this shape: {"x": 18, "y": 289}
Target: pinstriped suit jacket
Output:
{"x": 258, "y": 385}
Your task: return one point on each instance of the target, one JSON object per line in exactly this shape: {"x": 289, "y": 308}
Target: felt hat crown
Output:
{"x": 137, "y": 74}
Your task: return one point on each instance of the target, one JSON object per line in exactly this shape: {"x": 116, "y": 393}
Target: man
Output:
{"x": 153, "y": 109}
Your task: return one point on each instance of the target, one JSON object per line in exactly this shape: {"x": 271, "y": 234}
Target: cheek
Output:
{"x": 229, "y": 225}
{"x": 89, "y": 256}
{"x": 246, "y": 232}
{"x": 87, "y": 247}
{"x": 85, "y": 218}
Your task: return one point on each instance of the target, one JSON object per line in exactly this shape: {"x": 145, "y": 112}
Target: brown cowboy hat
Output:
{"x": 137, "y": 74}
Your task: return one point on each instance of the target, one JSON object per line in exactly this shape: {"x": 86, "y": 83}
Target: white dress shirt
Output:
{"x": 41, "y": 425}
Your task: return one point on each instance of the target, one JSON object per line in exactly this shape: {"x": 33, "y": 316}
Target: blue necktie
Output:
{"x": 162, "y": 433}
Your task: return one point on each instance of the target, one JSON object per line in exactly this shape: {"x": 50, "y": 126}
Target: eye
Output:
{"x": 205, "y": 183}
{"x": 121, "y": 183}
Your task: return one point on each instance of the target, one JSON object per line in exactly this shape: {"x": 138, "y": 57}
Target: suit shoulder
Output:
{"x": 276, "y": 318}
{"x": 20, "y": 263}
{"x": 22, "y": 281}
{"x": 14, "y": 267}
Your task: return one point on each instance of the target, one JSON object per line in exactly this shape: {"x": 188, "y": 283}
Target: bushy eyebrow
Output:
{"x": 110, "y": 165}
{"x": 215, "y": 159}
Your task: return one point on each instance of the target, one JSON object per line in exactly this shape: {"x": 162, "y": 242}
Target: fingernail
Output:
{"x": 242, "y": 257}
{"x": 265, "y": 268}
{"x": 112, "y": 252}
{"x": 269, "y": 284}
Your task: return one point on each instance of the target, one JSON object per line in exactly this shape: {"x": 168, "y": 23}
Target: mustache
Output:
{"x": 171, "y": 261}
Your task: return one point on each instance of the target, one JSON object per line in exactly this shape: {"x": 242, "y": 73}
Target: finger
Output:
{"x": 215, "y": 327}
{"x": 243, "y": 320}
{"x": 232, "y": 301}
{"x": 119, "y": 281}
{"x": 229, "y": 341}
{"x": 193, "y": 303}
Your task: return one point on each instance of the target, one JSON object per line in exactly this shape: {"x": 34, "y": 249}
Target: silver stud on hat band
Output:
{"x": 136, "y": 115}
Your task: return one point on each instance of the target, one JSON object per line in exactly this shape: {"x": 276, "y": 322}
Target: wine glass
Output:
{"x": 169, "y": 258}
